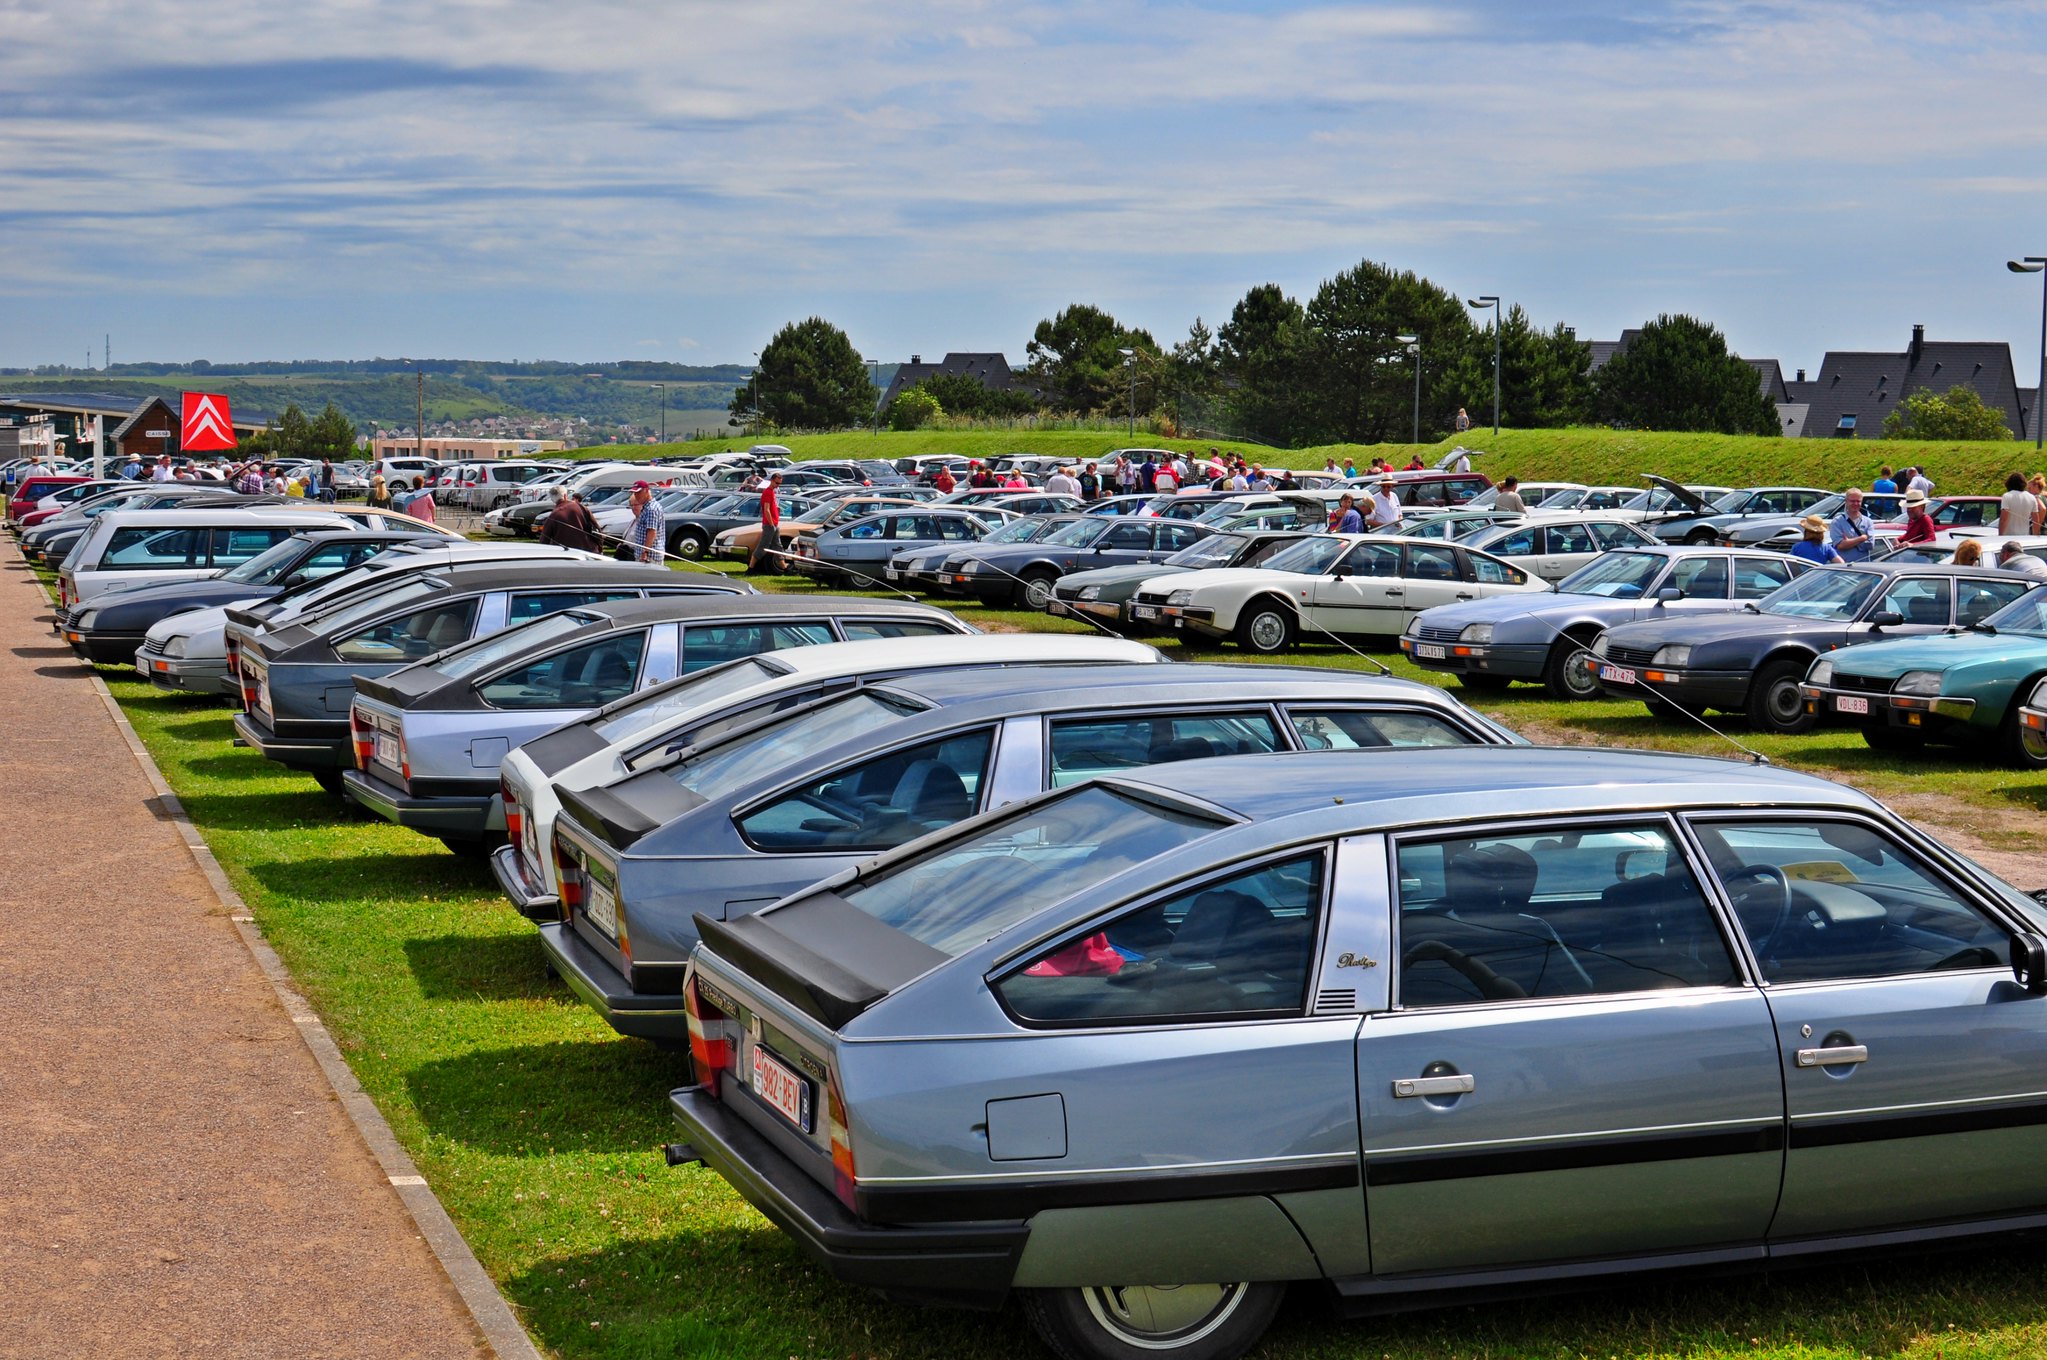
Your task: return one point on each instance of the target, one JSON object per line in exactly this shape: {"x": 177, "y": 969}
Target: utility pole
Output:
{"x": 1482, "y": 303}
{"x": 662, "y": 388}
{"x": 419, "y": 409}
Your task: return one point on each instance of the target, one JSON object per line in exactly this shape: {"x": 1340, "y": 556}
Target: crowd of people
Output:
{"x": 1850, "y": 536}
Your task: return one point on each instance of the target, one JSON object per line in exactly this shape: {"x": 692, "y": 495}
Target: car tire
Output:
{"x": 1034, "y": 591}
{"x": 1572, "y": 671}
{"x": 1267, "y": 627}
{"x": 1882, "y": 737}
{"x": 470, "y": 847}
{"x": 689, "y": 546}
{"x": 1662, "y": 709}
{"x": 1485, "y": 684}
{"x": 1700, "y": 538}
{"x": 1774, "y": 701}
{"x": 329, "y": 782}
{"x": 2020, "y": 744}
{"x": 1146, "y": 1322}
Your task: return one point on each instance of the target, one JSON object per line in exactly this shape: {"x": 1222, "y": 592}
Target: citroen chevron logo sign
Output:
{"x": 207, "y": 425}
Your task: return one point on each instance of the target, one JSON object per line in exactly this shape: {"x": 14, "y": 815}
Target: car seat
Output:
{"x": 932, "y": 793}
{"x": 1181, "y": 748}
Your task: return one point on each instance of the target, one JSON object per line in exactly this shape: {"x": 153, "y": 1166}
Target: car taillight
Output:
{"x": 844, "y": 1177}
{"x": 711, "y": 1056}
{"x": 515, "y": 820}
{"x": 404, "y": 760}
{"x": 570, "y": 875}
{"x": 363, "y": 736}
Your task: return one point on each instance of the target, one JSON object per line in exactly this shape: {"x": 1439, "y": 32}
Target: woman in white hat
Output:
{"x": 1814, "y": 546}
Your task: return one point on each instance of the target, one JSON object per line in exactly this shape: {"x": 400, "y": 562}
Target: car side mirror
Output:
{"x": 1886, "y": 618}
{"x": 2029, "y": 962}
{"x": 1669, "y": 593}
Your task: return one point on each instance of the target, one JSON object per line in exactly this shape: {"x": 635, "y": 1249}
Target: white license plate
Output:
{"x": 1850, "y": 703}
{"x": 1619, "y": 675}
{"x": 891, "y": 573}
{"x": 263, "y": 693}
{"x": 529, "y": 841}
{"x": 600, "y": 906}
{"x": 1430, "y": 649}
{"x": 782, "y": 1088}
{"x": 1144, "y": 611}
{"x": 387, "y": 749}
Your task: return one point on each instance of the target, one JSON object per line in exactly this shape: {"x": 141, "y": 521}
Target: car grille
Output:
{"x": 1866, "y": 684}
{"x": 1630, "y": 656}
{"x": 1151, "y": 596}
{"x": 1436, "y": 632}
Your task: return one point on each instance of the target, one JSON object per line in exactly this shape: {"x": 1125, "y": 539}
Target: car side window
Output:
{"x": 1240, "y": 945}
{"x": 1371, "y": 559}
{"x": 232, "y": 547}
{"x": 535, "y": 604}
{"x": 1520, "y": 543}
{"x": 1173, "y": 537}
{"x": 1701, "y": 578}
{"x": 1835, "y": 899}
{"x": 1980, "y": 599}
{"x": 868, "y": 630}
{"x": 335, "y": 557}
{"x": 1565, "y": 912}
{"x": 1755, "y": 578}
{"x": 1609, "y": 536}
{"x": 581, "y": 677}
{"x": 1965, "y": 513}
{"x": 878, "y": 803}
{"x": 867, "y": 528}
{"x": 1569, "y": 538}
{"x": 409, "y": 637}
{"x": 140, "y": 549}
{"x": 714, "y": 644}
{"x": 1082, "y": 748}
{"x": 1917, "y": 599}
{"x": 1492, "y": 571}
{"x": 1325, "y": 729}
{"x": 952, "y": 527}
{"x": 1127, "y": 537}
{"x": 1429, "y": 562}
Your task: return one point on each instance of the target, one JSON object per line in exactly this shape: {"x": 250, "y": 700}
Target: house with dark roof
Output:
{"x": 1769, "y": 374}
{"x": 1856, "y": 389}
{"x": 992, "y": 371}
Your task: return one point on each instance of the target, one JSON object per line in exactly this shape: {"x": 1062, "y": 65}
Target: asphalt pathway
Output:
{"x": 177, "y": 1177}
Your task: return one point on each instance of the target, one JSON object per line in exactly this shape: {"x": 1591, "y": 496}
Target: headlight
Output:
{"x": 1599, "y": 645}
{"x": 1480, "y": 633}
{"x": 1917, "y": 682}
{"x": 2039, "y": 699}
{"x": 1676, "y": 657}
{"x": 971, "y": 568}
{"x": 1090, "y": 592}
{"x": 1180, "y": 597}
{"x": 1414, "y": 626}
{"x": 83, "y": 622}
{"x": 175, "y": 647}
{"x": 1822, "y": 673}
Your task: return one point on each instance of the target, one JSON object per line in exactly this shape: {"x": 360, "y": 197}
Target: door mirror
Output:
{"x": 1669, "y": 593}
{"x": 2029, "y": 962}
{"x": 1886, "y": 618}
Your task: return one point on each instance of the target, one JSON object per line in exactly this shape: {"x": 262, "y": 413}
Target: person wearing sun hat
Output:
{"x": 1814, "y": 546}
{"x": 650, "y": 524}
{"x": 1919, "y": 526}
{"x": 1385, "y": 507}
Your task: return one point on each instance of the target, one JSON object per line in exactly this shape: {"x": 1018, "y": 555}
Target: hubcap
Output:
{"x": 2034, "y": 743}
{"x": 1268, "y": 632}
{"x": 689, "y": 547}
{"x": 1785, "y": 703}
{"x": 1037, "y": 593}
{"x": 1579, "y": 676}
{"x": 1163, "y": 1317}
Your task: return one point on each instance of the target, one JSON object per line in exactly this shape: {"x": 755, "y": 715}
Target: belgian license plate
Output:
{"x": 890, "y": 573}
{"x": 780, "y": 1086}
{"x": 263, "y": 692}
{"x": 529, "y": 842}
{"x": 600, "y": 906}
{"x": 1430, "y": 649}
{"x": 387, "y": 749}
{"x": 1144, "y": 611}
{"x": 1619, "y": 675}
{"x": 1850, "y": 703}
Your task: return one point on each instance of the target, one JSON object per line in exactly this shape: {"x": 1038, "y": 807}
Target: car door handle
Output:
{"x": 1396, "y": 590}
{"x": 1406, "y": 1088}
{"x": 1832, "y": 1057}
{"x": 1465, "y": 595}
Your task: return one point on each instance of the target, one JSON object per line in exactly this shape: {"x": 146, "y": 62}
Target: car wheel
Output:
{"x": 1883, "y": 737}
{"x": 1478, "y": 680}
{"x": 470, "y": 847}
{"x": 1700, "y": 536}
{"x": 690, "y": 547}
{"x": 1774, "y": 701}
{"x": 1267, "y": 627}
{"x": 1572, "y": 672}
{"x": 1035, "y": 591}
{"x": 2023, "y": 746}
{"x": 1189, "y": 1321}
{"x": 329, "y": 781}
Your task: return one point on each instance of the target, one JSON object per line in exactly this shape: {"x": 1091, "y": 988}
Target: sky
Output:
{"x": 513, "y": 179}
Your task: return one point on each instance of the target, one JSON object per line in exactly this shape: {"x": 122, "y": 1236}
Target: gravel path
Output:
{"x": 176, "y": 1176}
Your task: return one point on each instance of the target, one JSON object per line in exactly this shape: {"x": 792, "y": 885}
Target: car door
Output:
{"x": 1572, "y": 1050}
{"x": 1363, "y": 592}
{"x": 1125, "y": 542}
{"x": 1565, "y": 548}
{"x": 1925, "y": 604}
{"x": 1910, "y": 1059}
{"x": 1434, "y": 573}
{"x": 1169, "y": 536}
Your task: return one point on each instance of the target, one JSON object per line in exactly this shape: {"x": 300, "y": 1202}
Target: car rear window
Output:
{"x": 760, "y": 752}
{"x": 675, "y": 700}
{"x": 475, "y": 656}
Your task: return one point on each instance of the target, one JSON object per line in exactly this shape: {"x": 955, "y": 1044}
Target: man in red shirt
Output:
{"x": 767, "y": 553}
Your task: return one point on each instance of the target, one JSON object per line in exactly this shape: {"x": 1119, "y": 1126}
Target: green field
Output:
{"x": 539, "y": 1128}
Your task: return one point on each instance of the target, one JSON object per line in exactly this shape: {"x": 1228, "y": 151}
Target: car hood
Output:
{"x": 209, "y": 590}
{"x": 1738, "y": 623}
{"x": 1238, "y": 578}
{"x": 1117, "y": 576}
{"x": 193, "y": 625}
{"x": 2015, "y": 653}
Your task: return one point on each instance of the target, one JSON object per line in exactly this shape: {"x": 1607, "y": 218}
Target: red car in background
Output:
{"x": 34, "y": 489}
{"x": 67, "y": 497}
{"x": 1967, "y": 513}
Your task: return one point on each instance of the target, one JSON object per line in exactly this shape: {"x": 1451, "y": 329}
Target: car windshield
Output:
{"x": 1217, "y": 550}
{"x": 402, "y": 592}
{"x": 973, "y": 889}
{"x": 1829, "y": 507}
{"x": 472, "y": 657}
{"x": 1310, "y": 557}
{"x": 1615, "y": 576}
{"x": 1078, "y": 534}
{"x": 1823, "y": 594}
{"x": 760, "y": 752}
{"x": 1728, "y": 503}
{"x": 656, "y": 707}
{"x": 266, "y": 567}
{"x": 2026, "y": 614}
{"x": 1017, "y": 531}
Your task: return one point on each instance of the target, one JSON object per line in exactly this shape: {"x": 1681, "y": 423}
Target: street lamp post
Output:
{"x": 2035, "y": 264}
{"x": 662, "y": 388}
{"x": 874, "y": 381}
{"x": 1414, "y": 348}
{"x": 1130, "y": 362}
{"x": 1482, "y": 303}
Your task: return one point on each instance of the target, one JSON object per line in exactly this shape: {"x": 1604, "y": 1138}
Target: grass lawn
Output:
{"x": 539, "y": 1128}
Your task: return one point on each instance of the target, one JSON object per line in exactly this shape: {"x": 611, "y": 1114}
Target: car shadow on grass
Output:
{"x": 534, "y": 1100}
{"x": 482, "y": 968}
{"x": 372, "y": 878}
{"x": 737, "y": 1289}
{"x": 260, "y": 810}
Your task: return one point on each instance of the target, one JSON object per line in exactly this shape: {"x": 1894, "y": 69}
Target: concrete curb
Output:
{"x": 488, "y": 1308}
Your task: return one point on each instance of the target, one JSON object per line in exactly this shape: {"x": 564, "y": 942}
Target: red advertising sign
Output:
{"x": 207, "y": 425}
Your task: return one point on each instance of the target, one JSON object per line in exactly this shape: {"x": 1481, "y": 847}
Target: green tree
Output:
{"x": 961, "y": 394}
{"x": 914, "y": 409}
{"x": 331, "y": 435}
{"x": 1545, "y": 376}
{"x": 1077, "y": 362}
{"x": 294, "y": 437}
{"x": 1358, "y": 383}
{"x": 810, "y": 377}
{"x": 1678, "y": 375}
{"x": 1958, "y": 413}
{"x": 1258, "y": 355}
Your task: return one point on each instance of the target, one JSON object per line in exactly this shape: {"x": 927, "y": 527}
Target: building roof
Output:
{"x": 108, "y": 404}
{"x": 992, "y": 371}
{"x": 141, "y": 413}
{"x": 1857, "y": 389}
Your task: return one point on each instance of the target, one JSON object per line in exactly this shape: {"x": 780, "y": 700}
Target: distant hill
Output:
{"x": 381, "y": 391}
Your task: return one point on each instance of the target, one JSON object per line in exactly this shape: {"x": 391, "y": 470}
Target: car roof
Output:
{"x": 228, "y": 515}
{"x": 962, "y": 648}
{"x": 1080, "y": 688}
{"x": 626, "y": 613}
{"x": 515, "y": 575}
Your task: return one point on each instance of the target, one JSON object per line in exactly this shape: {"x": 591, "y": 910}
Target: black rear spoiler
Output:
{"x": 843, "y": 962}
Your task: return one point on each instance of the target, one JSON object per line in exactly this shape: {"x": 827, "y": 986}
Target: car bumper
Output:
{"x": 1107, "y": 610}
{"x": 1519, "y": 661}
{"x": 604, "y": 989}
{"x": 103, "y": 649}
{"x": 964, "y": 1264}
{"x": 445, "y": 816}
{"x": 1889, "y": 710}
{"x": 299, "y": 752}
{"x": 187, "y": 677}
{"x": 1688, "y": 689}
{"x": 1186, "y": 618}
{"x": 526, "y": 893}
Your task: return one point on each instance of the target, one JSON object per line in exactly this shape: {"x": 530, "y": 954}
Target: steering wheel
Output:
{"x": 1762, "y": 874}
{"x": 1490, "y": 985}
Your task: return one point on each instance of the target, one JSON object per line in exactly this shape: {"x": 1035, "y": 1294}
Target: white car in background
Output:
{"x": 606, "y": 746}
{"x": 1327, "y": 586}
{"x": 1554, "y": 546}
{"x": 1532, "y": 494}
